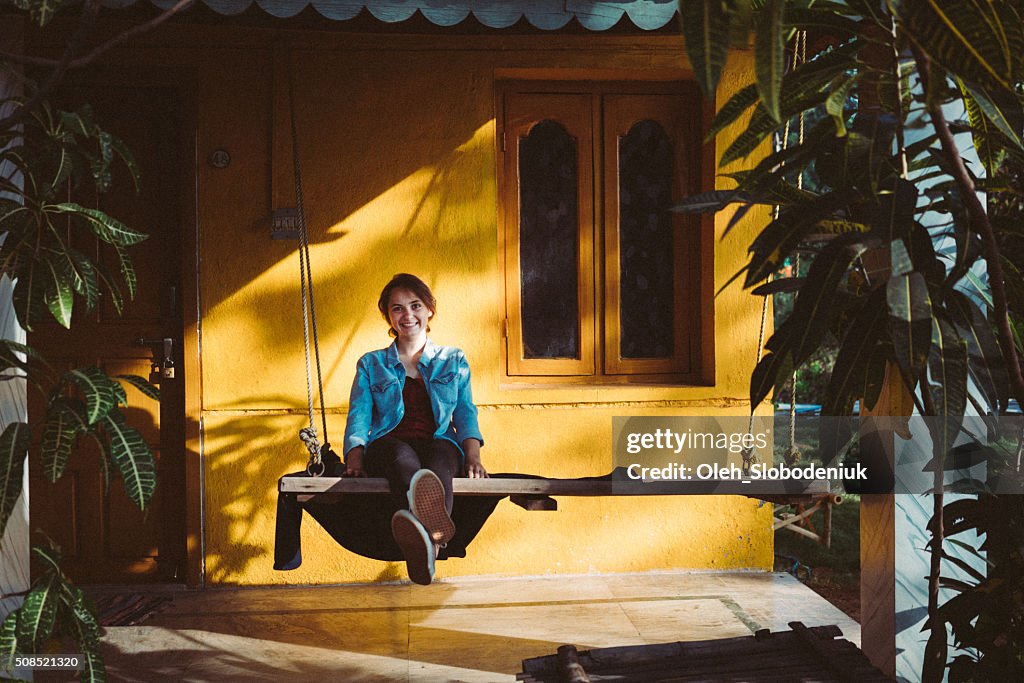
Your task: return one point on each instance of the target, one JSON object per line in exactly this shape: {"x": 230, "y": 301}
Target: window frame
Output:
{"x": 599, "y": 268}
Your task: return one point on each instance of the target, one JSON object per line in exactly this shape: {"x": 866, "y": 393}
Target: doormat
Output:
{"x": 129, "y": 609}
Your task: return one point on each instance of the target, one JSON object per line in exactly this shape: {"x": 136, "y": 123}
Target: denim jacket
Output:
{"x": 376, "y": 406}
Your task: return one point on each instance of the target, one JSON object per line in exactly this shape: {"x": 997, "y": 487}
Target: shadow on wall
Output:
{"x": 432, "y": 229}
{"x": 374, "y": 158}
{"x": 249, "y": 453}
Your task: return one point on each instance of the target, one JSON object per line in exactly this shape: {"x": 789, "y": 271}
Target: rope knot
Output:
{"x": 749, "y": 459}
{"x": 309, "y": 437}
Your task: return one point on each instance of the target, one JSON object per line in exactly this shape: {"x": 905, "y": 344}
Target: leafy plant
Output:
{"x": 53, "y": 608}
{"x": 984, "y": 613}
{"x": 878, "y": 159}
{"x": 58, "y": 153}
{"x": 55, "y": 155}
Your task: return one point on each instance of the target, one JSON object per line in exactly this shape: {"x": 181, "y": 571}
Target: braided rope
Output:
{"x": 793, "y": 454}
{"x": 748, "y": 454}
{"x": 307, "y": 435}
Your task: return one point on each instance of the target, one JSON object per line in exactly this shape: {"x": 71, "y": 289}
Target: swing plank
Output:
{"x": 772, "y": 491}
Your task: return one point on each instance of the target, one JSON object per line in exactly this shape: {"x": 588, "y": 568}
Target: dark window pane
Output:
{"x": 645, "y": 243}
{"x": 548, "y": 248}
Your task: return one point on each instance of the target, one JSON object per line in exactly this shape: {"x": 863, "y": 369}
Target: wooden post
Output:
{"x": 878, "y": 532}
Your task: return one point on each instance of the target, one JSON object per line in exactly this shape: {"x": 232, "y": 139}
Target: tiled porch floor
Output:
{"x": 456, "y": 630}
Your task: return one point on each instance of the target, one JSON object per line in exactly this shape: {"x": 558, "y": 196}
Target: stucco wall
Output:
{"x": 397, "y": 137}
{"x": 398, "y": 164}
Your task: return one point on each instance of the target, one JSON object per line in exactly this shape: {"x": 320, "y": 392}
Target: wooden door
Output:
{"x": 104, "y": 537}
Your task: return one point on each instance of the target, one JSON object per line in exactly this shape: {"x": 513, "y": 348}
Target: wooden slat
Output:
{"x": 803, "y": 654}
{"x": 565, "y": 487}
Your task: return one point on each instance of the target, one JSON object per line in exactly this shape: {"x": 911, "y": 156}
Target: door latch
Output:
{"x": 161, "y": 369}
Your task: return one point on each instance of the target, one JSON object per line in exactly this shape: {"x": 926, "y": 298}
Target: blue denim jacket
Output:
{"x": 376, "y": 406}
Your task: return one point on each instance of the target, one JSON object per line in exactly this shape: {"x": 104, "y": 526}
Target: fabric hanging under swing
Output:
{"x": 361, "y": 524}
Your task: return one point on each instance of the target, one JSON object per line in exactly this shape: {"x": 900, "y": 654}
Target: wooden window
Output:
{"x": 601, "y": 279}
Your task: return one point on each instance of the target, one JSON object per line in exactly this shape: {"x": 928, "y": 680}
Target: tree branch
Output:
{"x": 979, "y": 219}
{"x": 93, "y": 54}
{"x": 68, "y": 59}
{"x": 85, "y": 22}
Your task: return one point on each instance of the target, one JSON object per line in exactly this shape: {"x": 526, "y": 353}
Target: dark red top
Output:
{"x": 418, "y": 422}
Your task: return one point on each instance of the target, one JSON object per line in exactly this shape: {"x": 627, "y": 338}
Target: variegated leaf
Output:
{"x": 59, "y": 296}
{"x": 814, "y": 308}
{"x": 129, "y": 161}
{"x": 97, "y": 390}
{"x": 143, "y": 385}
{"x": 986, "y": 363}
{"x": 105, "y": 227}
{"x": 771, "y": 34}
{"x": 133, "y": 459}
{"x": 14, "y": 443}
{"x": 910, "y": 322}
{"x": 65, "y": 420}
{"x": 116, "y": 298}
{"x": 127, "y": 271}
{"x": 87, "y": 278}
{"x": 849, "y": 373}
{"x": 706, "y": 27}
{"x": 29, "y": 293}
{"x": 732, "y": 110}
{"x": 38, "y": 612}
{"x": 1005, "y": 115}
{"x": 947, "y": 369}
{"x": 967, "y": 38}
{"x": 8, "y": 641}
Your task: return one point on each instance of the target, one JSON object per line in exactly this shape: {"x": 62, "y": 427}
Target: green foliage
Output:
{"x": 53, "y": 608}
{"x": 56, "y": 154}
{"x": 986, "y": 614}
{"x": 13, "y": 445}
{"x": 41, "y": 11}
{"x": 59, "y": 155}
{"x": 896, "y": 282}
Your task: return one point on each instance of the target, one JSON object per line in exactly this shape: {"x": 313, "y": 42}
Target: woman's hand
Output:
{"x": 474, "y": 468}
{"x": 354, "y": 463}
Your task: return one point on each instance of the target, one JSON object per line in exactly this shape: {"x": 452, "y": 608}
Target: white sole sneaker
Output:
{"x": 426, "y": 501}
{"x": 416, "y": 547}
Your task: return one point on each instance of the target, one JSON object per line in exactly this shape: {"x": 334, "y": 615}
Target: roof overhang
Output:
{"x": 548, "y": 15}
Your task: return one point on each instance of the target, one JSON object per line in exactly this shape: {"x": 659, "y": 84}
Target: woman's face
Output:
{"x": 407, "y": 314}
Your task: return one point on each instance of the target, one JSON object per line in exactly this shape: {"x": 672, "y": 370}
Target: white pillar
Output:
{"x": 14, "y": 546}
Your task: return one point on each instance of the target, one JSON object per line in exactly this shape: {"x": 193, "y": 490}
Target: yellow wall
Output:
{"x": 398, "y": 163}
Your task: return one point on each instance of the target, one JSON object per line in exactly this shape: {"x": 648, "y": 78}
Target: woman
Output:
{"x": 412, "y": 420}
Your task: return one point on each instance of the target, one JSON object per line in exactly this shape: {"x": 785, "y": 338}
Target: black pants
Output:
{"x": 397, "y": 460}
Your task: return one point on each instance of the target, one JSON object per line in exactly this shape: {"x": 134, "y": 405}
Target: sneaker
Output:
{"x": 416, "y": 547}
{"x": 426, "y": 501}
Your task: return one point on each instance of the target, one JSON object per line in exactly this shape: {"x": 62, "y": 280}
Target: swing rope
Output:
{"x": 307, "y": 435}
{"x": 799, "y": 57}
{"x": 748, "y": 454}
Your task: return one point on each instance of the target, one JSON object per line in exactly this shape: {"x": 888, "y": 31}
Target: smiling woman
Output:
{"x": 412, "y": 420}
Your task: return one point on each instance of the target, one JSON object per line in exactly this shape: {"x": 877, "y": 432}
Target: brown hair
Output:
{"x": 414, "y": 285}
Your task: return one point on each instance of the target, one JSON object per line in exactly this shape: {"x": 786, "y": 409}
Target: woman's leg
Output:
{"x": 442, "y": 458}
{"x": 395, "y": 460}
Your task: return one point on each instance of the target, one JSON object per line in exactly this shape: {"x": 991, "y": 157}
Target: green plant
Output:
{"x": 893, "y": 289}
{"x": 55, "y": 154}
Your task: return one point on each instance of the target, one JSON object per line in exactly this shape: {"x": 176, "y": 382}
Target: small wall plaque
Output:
{"x": 220, "y": 158}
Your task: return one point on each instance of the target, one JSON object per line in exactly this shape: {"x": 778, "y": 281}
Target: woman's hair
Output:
{"x": 414, "y": 285}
